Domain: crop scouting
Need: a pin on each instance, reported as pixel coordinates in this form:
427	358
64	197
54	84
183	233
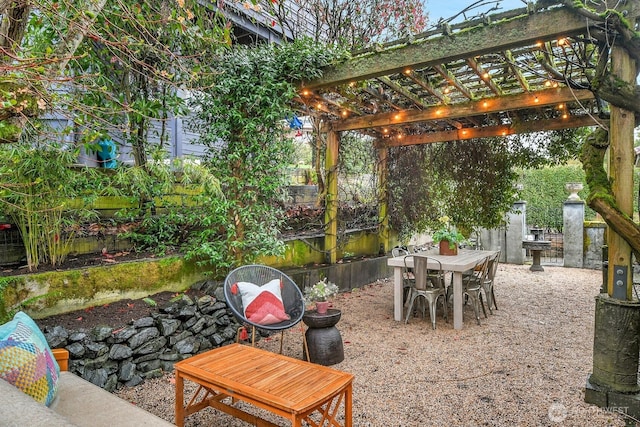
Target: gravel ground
526	365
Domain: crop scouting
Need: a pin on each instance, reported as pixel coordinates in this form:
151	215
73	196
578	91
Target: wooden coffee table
291	388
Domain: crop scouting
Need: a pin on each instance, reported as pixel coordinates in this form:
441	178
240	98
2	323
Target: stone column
516	230
573	233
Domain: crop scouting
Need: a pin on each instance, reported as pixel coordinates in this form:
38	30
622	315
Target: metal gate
546	224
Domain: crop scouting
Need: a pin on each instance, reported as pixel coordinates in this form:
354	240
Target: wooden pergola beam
470	43
490	131
467	109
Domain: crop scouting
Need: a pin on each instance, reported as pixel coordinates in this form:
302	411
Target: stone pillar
516	230
573	233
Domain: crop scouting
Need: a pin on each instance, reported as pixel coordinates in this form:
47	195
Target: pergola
525	70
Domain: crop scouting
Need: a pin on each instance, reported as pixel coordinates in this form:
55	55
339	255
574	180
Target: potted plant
448	237
320	293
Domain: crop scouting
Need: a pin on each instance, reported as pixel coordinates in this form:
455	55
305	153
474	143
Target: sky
447	8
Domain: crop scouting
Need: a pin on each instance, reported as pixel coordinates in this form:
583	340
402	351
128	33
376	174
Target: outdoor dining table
456	264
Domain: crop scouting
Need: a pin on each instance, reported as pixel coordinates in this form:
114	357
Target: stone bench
77	403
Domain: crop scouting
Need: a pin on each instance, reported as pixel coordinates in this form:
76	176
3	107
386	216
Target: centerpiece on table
320	294
448	237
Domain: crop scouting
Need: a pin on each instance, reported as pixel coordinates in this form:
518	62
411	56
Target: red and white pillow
262	304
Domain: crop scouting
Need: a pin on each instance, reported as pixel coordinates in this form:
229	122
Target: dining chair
488	283
472	287
407	273
429	284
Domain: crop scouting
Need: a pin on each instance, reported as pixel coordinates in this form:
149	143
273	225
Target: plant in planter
448	237
320	293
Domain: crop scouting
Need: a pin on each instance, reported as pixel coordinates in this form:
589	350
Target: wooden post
331	198
621	162
383	200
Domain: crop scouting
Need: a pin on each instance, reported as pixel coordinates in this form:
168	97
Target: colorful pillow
26	360
262	304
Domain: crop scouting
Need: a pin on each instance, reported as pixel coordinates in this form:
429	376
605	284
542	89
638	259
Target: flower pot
322	306
446	249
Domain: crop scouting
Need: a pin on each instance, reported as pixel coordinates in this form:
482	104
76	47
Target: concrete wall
594	239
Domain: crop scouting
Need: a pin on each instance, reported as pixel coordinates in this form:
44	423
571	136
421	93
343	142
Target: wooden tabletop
264	378
465	260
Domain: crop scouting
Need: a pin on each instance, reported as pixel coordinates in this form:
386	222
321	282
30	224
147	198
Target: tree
241	118
24	72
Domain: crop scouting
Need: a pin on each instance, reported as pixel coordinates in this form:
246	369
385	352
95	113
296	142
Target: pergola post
621	163
383	201
614	380
331	198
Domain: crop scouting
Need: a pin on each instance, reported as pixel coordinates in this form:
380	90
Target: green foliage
472	182
544	191
241	119
37	184
166	228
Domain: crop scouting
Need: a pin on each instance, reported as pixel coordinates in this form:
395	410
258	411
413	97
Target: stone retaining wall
148	347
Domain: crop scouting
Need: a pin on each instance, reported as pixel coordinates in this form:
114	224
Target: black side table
323	338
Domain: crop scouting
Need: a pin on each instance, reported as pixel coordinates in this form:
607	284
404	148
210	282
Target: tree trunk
601	198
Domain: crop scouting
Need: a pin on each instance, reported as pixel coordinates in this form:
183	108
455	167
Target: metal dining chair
407	273
472	287
429	285
487	284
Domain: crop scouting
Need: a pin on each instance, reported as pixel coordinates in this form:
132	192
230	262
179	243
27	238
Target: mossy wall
62	291
58	292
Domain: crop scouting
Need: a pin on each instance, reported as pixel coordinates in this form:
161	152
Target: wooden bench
293	389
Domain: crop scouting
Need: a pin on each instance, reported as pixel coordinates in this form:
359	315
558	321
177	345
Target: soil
78	261
116	315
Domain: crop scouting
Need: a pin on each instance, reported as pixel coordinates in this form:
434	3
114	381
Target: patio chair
487	284
256	286
429	284
407	273
472	287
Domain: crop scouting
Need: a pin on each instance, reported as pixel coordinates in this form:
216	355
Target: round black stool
323	338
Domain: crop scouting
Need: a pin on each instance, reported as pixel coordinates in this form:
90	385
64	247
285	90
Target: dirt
78	261
115	315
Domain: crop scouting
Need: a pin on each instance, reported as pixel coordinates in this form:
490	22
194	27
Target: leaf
150	302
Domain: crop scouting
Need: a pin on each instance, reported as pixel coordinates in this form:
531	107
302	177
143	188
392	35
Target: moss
99	285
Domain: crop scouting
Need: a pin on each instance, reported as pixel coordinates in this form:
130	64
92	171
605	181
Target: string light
562	41
344	113
305	92
485	104
485	75
407	71
397	117
536	100
547	83
447	90
319	106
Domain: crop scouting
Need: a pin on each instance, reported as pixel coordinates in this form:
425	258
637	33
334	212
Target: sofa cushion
87	405
19	410
26	360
